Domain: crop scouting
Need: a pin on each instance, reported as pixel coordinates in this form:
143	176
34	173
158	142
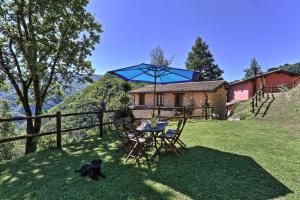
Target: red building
270	81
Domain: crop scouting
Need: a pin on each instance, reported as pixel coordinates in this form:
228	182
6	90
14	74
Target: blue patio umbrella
146	73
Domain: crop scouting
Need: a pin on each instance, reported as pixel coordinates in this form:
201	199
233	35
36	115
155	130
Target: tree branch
52	72
10	76
16	61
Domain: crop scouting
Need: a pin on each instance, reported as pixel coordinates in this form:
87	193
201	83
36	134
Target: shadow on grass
201	173
204	173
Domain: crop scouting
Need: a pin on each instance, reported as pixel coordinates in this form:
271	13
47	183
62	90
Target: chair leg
173	147
132	150
181	144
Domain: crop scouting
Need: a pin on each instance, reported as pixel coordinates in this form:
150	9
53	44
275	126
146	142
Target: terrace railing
256	99
100	116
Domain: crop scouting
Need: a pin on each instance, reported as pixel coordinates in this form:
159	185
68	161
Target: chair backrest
183	124
129	128
118	124
180	128
179	125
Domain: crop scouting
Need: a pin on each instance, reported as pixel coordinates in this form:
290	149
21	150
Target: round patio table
147	128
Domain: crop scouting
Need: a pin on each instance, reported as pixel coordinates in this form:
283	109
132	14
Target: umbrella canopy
146	73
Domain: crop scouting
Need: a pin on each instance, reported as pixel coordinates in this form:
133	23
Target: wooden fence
257	98
100	115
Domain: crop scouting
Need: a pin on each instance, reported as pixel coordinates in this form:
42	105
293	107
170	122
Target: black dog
92	169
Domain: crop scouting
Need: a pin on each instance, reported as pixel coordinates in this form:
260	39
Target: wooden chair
172	137
124	135
139	144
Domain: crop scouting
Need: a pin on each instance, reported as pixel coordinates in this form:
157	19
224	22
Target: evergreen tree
6	130
158	58
200	59
249	72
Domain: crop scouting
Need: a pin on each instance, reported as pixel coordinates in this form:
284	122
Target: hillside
75	86
108	89
295	68
291	67
284	110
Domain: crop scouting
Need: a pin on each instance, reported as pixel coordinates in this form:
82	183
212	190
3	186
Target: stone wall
215	99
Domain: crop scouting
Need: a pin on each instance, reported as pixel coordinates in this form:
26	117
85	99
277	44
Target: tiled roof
267	73
203	86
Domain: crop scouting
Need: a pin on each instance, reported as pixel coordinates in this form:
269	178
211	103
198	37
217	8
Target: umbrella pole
154	96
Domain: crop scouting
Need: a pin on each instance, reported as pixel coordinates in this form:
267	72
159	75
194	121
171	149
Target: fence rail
257	98
100	115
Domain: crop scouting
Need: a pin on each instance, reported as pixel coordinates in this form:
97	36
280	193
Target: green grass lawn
248	159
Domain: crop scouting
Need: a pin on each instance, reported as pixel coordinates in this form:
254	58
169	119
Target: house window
178	100
142	99
160	100
242	87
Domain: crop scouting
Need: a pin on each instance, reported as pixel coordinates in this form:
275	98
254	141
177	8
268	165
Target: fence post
100	118
205	112
259	95
58	129
255	100
252	104
184	112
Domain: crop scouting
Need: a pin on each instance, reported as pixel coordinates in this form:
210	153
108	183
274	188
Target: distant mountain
108	89
295	68
75	87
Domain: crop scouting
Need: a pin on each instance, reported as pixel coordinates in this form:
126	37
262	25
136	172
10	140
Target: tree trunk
30	142
33	127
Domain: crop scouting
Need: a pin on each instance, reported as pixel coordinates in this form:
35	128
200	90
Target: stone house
190	94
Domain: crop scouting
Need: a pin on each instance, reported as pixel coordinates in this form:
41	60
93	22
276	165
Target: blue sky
235	30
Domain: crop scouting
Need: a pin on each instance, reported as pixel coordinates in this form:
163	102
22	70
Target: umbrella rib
143	72
178	74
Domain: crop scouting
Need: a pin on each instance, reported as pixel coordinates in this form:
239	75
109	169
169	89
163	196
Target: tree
43	46
7	129
272	69
200	59
249	72
126	87
158	58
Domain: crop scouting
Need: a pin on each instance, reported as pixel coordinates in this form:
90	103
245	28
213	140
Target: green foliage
200	59
46	43
7	129
158	58
295	68
108	89
3	84
43	43
124	112
272	69
249	72
283	88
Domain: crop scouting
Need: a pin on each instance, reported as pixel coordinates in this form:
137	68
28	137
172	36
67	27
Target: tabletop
160	126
